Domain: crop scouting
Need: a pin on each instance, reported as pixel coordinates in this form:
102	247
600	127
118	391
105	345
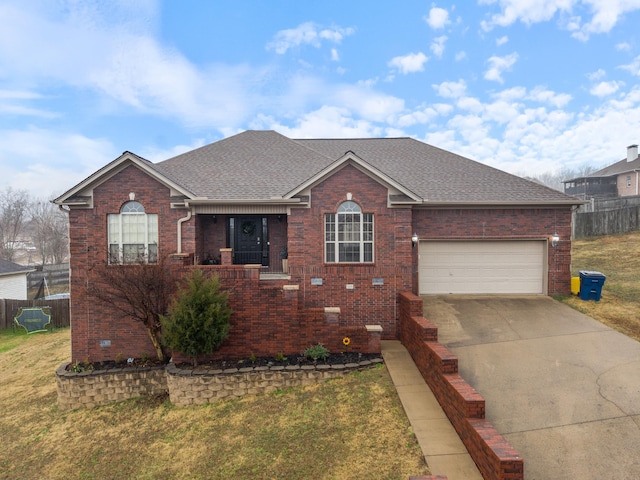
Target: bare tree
555	179
50	234
140	291
14	208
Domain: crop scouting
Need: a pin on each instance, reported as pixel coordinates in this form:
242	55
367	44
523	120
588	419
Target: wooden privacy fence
59	311
608	222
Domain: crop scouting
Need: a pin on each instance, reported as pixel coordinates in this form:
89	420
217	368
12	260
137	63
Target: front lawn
353	427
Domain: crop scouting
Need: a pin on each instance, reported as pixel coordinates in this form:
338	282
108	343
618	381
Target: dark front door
250	244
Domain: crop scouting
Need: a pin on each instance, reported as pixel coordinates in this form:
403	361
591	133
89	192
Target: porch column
225	256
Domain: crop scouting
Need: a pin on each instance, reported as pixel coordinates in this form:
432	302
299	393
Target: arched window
133	235
348	235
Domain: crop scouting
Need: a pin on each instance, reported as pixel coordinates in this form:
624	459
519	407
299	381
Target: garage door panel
489	267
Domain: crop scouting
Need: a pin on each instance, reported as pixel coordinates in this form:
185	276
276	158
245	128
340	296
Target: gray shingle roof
617	168
7	268
259	165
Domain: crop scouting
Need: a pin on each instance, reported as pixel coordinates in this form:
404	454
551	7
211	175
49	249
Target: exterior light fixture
414	239
554	240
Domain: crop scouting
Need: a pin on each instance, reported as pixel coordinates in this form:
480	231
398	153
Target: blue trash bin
591	285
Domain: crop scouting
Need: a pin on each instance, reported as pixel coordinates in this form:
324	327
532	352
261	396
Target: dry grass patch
618	257
353	427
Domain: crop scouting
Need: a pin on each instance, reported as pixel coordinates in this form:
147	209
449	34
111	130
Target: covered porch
243	239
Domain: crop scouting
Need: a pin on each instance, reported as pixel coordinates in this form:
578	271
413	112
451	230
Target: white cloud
502	40
423	116
623	47
410	63
461	56
604	14
451	89
16	102
307	34
604	89
47	161
528	12
542	95
499	65
334	55
325	122
437	46
597	75
437	18
633	68
368	104
79	45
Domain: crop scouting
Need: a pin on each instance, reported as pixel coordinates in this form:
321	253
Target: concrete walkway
442	448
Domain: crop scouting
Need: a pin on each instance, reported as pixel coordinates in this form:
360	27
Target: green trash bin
591	285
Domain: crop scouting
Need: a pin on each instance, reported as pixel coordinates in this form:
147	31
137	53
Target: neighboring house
13	280
622	179
362	220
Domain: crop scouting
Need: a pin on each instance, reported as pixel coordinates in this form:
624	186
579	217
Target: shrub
317	352
199	317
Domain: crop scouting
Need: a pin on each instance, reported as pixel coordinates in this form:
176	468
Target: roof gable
397	190
82	194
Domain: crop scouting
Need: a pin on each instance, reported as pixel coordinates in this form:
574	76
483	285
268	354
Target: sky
526	86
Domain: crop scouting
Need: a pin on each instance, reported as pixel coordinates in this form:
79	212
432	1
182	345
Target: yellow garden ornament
346	341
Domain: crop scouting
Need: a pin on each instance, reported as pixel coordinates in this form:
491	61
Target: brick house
361	220
620	179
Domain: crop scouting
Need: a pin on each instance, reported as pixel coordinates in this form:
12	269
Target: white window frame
132	221
349	235
628	180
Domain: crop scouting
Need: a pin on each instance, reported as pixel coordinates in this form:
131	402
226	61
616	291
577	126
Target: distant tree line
27	222
555	179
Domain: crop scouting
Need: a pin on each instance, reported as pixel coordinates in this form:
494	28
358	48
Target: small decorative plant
280	357
346	341
317	352
79	367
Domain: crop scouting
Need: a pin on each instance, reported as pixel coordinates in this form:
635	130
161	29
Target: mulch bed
295	359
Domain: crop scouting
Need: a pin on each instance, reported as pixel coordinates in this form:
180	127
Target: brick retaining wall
463	405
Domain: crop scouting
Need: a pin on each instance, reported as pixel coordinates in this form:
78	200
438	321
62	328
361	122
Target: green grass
11	338
618	257
352	427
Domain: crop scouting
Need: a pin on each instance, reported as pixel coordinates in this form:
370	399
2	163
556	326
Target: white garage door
483	267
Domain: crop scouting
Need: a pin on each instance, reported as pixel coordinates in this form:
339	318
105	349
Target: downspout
180	222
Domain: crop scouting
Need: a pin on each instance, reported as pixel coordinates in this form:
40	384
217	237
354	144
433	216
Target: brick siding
506	224
267	318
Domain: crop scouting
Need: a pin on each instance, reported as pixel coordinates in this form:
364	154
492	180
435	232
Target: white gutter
180	222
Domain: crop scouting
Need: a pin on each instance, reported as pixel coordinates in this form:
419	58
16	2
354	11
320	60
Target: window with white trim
348	235
628	180
133	235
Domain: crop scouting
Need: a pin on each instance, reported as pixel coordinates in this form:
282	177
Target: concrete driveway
562	388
